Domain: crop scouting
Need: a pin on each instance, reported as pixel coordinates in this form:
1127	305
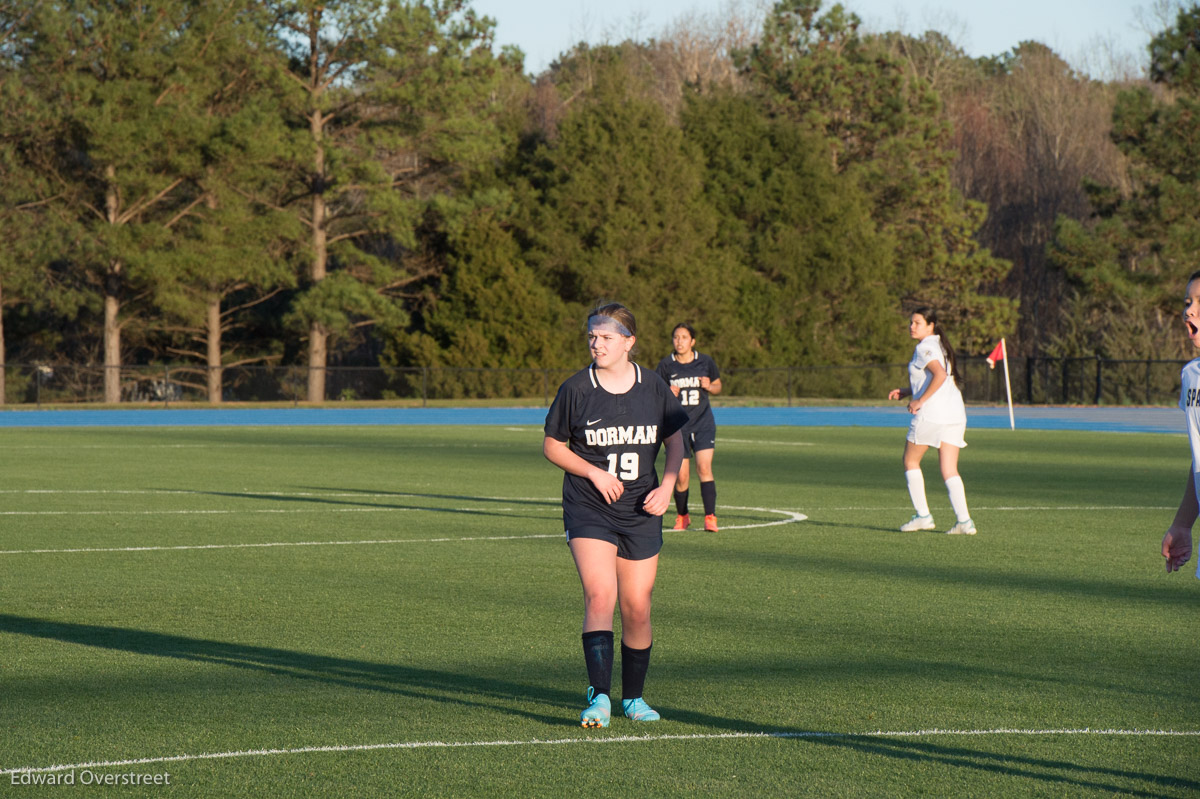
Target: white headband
598	322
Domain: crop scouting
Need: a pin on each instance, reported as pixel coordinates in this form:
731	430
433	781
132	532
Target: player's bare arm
658	500
560	454
1177	543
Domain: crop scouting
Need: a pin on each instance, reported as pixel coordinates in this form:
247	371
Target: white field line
724	440
303	750
275	544
1010	507
225	446
73	446
790	517
216	512
251	493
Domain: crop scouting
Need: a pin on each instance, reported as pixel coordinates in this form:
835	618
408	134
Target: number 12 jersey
687	376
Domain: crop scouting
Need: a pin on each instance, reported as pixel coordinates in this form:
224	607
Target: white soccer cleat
962	528
918	522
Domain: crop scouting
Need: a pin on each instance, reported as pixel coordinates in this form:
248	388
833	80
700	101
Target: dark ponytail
930	316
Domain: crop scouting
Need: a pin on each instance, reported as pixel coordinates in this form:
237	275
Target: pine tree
223	254
124	92
622	215
820	282
1127	271
387	104
883	128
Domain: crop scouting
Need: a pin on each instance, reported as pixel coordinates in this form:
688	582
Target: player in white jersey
939	419
1177	543
604	430
693	376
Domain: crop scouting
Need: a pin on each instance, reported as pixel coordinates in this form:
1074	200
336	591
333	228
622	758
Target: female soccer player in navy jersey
692	377
604	430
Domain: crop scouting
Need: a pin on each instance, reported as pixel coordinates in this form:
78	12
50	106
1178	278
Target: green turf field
392	611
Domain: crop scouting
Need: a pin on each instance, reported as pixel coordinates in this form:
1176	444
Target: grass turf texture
464	627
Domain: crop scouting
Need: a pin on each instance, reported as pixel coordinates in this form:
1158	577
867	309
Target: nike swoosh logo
593	421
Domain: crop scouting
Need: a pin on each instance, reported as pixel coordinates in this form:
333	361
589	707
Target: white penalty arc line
304	750
1018	508
724	440
790	516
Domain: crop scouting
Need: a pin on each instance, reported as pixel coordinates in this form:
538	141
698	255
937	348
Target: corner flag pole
1012	425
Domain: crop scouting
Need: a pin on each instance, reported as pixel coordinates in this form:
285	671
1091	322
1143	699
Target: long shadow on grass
552	503
970	575
1061	773
358	503
425	684
475	691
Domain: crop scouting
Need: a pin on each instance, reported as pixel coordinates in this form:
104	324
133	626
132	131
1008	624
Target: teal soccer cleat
598	711
638	710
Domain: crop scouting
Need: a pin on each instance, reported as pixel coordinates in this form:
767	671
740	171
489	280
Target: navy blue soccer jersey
621	433
687	376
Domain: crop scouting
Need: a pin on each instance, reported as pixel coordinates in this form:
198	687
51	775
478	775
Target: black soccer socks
681	498
598	654
708	494
634	664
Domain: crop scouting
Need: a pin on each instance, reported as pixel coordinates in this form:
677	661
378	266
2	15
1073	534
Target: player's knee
600	600
635	613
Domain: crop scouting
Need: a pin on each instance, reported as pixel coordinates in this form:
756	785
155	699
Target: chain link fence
1068	381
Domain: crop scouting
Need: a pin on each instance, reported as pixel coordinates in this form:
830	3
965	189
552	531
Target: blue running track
1126	420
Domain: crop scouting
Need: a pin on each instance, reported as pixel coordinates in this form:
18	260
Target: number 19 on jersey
628	465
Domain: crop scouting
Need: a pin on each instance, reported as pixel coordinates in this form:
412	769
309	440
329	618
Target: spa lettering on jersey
1193	397
616	436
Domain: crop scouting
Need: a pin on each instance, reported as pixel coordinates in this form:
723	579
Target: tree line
368	182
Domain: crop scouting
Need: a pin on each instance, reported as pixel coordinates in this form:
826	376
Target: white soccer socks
916	491
958	498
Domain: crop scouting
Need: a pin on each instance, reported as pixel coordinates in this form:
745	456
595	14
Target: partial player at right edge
1177	543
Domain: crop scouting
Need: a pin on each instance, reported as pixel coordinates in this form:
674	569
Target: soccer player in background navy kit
1177	543
604	430
693	376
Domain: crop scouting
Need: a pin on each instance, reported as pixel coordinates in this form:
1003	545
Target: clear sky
1083	32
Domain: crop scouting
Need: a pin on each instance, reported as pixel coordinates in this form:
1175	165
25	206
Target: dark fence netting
1067	381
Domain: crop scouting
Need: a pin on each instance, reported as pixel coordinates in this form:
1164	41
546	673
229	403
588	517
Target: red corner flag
1001	354
997	355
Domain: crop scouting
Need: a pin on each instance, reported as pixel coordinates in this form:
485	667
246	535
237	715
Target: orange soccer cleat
710	523
682	521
